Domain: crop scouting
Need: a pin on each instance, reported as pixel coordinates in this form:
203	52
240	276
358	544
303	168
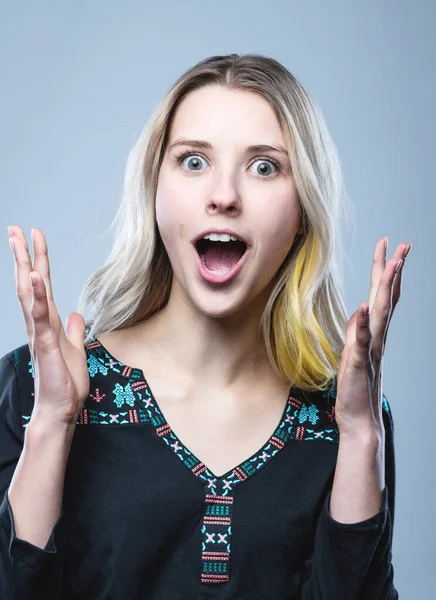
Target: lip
229	231
214	278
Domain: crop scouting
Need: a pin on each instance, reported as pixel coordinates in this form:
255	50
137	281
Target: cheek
177	205
163	208
279	221
172	217
167	206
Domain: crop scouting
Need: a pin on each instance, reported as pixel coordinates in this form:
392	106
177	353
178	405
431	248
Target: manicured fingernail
407	251
10	231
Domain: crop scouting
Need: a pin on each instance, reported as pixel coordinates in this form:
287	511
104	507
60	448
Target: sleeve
26	571
353	561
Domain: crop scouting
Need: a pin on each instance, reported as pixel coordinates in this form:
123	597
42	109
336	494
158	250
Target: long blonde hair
304	320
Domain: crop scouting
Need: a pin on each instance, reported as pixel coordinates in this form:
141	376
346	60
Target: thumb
75	329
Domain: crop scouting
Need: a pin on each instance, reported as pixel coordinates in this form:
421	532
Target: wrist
42	428
363	448
362	436
365	432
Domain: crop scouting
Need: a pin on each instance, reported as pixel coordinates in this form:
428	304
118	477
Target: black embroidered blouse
144	519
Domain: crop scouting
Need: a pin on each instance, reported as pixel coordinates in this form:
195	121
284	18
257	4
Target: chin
218	311
218	306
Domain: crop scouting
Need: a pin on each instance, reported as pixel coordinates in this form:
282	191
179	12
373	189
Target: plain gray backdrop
80	79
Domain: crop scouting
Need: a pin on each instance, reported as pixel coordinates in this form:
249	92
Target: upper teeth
220	237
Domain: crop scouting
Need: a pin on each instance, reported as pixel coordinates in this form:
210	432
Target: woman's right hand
58	356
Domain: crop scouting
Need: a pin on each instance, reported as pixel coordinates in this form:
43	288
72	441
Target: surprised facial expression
218	174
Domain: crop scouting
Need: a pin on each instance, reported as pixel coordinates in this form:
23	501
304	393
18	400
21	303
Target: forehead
219	115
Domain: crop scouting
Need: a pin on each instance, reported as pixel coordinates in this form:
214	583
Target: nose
224	199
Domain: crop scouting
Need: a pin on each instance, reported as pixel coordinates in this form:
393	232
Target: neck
228	351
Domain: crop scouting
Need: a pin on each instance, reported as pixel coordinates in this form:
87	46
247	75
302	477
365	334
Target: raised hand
58	356
359	388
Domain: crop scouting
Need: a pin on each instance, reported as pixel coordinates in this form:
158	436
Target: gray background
80	79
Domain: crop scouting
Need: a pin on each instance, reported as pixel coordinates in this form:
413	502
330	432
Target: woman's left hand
359	381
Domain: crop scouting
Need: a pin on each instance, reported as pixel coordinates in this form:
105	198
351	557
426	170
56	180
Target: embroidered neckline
216	523
145	400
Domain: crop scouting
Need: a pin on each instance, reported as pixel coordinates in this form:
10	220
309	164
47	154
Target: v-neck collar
145	400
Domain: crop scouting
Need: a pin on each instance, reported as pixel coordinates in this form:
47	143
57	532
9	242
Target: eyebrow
207	146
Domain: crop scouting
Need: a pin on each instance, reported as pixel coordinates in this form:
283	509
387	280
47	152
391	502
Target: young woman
218	428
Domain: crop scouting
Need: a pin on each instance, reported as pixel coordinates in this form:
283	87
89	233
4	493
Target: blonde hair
303	323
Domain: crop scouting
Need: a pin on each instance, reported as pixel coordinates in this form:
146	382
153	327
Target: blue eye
265	161
196	163
181	157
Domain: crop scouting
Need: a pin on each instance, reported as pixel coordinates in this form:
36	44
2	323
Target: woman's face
225	186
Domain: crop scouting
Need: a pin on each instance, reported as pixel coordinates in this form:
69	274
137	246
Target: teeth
221	237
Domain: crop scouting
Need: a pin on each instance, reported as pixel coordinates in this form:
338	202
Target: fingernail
32	233
10	231
399	265
407	251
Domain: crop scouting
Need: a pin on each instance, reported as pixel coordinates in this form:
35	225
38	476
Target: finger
378	267
350	340
396	293
350	331
43	334
41	261
42	265
382	309
361	350
75	329
23	268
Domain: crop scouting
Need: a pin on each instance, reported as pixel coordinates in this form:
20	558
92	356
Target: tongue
222	256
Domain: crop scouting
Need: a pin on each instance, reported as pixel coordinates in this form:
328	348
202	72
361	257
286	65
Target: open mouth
220	257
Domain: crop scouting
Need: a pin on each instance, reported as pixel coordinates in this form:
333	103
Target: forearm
359	478
36	489
352	555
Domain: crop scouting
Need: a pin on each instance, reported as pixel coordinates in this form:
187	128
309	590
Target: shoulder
16	387
318	407
17	361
